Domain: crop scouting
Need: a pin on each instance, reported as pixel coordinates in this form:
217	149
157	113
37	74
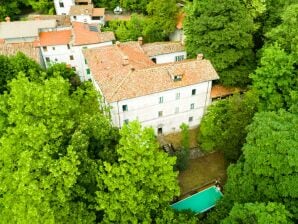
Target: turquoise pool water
199	202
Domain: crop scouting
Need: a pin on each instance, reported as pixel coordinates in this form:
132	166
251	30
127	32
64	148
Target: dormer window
177	78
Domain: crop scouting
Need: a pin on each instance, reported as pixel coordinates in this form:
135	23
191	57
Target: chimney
118	43
140	41
7	19
86	11
125	60
200	57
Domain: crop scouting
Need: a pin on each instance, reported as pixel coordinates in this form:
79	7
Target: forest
61	160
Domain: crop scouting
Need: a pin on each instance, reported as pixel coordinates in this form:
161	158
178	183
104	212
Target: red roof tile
83	35
140	76
51	38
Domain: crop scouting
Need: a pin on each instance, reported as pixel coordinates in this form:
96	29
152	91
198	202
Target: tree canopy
224	126
48	166
142	182
268	170
258	213
220	31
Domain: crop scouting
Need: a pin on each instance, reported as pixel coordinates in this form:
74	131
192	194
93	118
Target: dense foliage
224	126
157	25
258	213
141	183
48	166
220	31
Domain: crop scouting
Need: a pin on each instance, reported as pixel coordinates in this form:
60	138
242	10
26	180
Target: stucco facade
165	111
62	7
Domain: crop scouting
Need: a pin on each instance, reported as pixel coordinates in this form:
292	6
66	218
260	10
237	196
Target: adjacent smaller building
24	31
64	45
164	52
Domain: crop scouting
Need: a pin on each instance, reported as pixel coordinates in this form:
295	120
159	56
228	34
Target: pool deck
199	202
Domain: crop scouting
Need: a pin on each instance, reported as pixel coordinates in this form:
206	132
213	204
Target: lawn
175	138
202	170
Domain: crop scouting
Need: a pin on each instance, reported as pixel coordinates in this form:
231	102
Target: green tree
223	31
142	182
12	65
129	30
109	4
268	169
9	8
224	126
275	78
253	213
135	5
173	217
48	168
161	21
43	6
286	34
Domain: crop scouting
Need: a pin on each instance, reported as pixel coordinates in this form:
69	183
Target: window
126	121
47	59
74	17
179	58
71	57
61	4
68	47
154	60
193	92
88	71
86	62
190	119
56	59
124	107
159	131
177	96
45	49
74	68
53	48
177	78
160	99
159	113
176	110
192	106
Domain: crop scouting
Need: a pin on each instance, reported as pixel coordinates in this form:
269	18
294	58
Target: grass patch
202	170
175	138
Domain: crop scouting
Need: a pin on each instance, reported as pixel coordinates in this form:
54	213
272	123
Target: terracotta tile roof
80	10
180	19
218	91
62	20
83	35
51	38
98	12
158	48
141	76
27	48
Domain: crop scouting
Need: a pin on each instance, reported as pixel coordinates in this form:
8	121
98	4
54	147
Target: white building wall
58	54
145	109
86	19
166	58
63	10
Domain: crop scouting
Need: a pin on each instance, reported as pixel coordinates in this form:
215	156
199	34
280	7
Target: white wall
65	9
166	58
146	108
58	54
86	19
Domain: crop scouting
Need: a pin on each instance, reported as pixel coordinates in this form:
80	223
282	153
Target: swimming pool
199	202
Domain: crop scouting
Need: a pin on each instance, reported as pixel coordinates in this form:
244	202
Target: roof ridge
122	81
